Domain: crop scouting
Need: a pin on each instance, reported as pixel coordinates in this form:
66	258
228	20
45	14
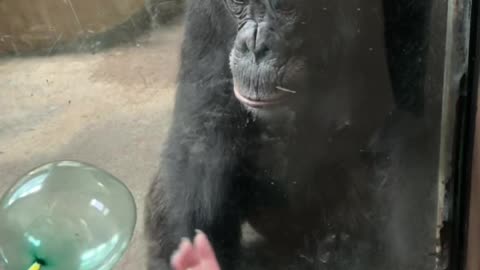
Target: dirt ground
111	109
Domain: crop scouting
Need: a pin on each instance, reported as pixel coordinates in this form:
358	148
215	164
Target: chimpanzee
287	115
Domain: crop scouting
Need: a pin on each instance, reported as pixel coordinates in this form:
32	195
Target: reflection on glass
31	187
32	240
94	257
99	206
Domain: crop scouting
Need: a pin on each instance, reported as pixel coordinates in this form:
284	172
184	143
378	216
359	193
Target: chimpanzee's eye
283	6
236	6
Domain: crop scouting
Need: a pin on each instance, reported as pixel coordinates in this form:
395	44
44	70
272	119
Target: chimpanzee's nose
255	40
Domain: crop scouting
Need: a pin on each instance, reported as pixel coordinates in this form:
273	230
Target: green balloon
65	215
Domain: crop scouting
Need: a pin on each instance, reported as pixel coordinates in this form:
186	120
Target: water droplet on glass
344	236
324	257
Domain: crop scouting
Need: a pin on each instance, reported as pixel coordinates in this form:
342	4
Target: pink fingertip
185	256
206	252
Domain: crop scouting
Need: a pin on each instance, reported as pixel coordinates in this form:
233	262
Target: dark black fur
312	177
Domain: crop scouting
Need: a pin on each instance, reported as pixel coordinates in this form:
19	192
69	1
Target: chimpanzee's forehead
296	3
275	2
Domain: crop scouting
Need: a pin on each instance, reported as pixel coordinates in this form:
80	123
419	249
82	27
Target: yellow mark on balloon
35	266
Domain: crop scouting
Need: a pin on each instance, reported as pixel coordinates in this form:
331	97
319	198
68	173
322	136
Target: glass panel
296	134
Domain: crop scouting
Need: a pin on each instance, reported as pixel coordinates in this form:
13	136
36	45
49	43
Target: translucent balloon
65	215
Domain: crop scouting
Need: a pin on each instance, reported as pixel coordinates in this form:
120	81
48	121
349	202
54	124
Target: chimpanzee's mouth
268	101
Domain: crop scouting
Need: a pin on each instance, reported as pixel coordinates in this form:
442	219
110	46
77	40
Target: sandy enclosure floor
111	109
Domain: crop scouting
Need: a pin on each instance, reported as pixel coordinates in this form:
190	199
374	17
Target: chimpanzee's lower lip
261	103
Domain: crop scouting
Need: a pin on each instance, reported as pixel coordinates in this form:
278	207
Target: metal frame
457	217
